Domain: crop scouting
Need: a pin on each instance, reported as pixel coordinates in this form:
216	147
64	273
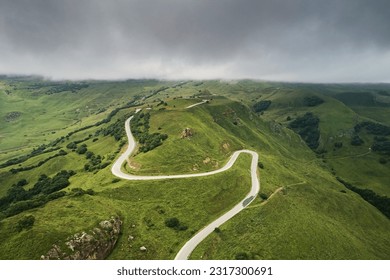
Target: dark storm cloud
305	40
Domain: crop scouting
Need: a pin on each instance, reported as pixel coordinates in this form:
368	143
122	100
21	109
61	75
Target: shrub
88	154
242	256
172	222
182	227
175	224
263	196
26	223
261	165
72	145
62	153
82	149
261	106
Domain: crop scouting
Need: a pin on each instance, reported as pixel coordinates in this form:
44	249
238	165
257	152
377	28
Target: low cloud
294	40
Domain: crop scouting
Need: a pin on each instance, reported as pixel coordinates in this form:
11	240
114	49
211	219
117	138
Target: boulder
143	248
95	244
187	132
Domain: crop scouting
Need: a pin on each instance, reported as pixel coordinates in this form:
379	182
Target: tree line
307	126
44	190
140	129
382	203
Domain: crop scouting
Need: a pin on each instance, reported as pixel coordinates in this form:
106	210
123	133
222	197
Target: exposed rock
130	238
226	147
143	248
95	244
187	132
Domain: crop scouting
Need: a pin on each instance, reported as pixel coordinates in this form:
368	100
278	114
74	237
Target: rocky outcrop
95	244
187	132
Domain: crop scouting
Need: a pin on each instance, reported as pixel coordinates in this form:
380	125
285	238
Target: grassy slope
45	117
337	120
143	204
313	208
303	222
316	208
313	219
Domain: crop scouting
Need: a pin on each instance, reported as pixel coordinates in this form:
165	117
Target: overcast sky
288	40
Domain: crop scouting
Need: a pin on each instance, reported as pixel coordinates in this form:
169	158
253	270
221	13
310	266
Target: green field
302	212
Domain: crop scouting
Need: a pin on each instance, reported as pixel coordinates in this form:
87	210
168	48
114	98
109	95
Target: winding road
186	250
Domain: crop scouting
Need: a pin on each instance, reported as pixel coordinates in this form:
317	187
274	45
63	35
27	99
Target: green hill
303	210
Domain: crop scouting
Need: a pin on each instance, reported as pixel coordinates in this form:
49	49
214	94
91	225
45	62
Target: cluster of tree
47	185
261	106
312	101
35	152
382	203
73	145
151	141
140	128
106	120
358	99
381	145
44	190
307	127
356	140
373	128
57	141
82	149
95	162
116	129
20	169
73	87
175	224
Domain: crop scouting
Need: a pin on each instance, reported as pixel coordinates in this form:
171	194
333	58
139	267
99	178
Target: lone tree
172	222
175	224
